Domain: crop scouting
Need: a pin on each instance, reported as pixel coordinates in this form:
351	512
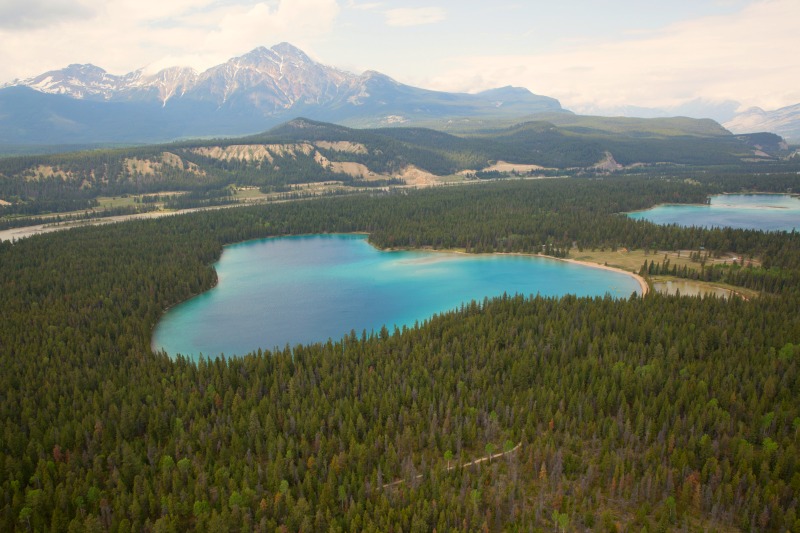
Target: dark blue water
299	290
767	212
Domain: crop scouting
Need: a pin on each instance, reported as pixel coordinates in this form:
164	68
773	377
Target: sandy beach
644	287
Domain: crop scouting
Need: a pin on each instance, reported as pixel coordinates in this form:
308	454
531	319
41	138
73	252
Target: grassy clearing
254	195
111	202
632	261
247	194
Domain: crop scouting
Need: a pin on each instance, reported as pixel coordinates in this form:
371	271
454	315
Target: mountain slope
250	93
303	151
784	121
637	127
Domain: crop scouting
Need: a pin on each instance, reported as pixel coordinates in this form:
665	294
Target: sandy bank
643	286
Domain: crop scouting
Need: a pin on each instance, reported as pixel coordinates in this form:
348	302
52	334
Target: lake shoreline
553	282
644	287
708	204
747	211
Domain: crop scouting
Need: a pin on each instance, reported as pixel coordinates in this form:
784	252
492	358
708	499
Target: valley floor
28	231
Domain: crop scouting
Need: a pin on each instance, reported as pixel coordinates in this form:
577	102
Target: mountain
309	157
784	121
247	94
697	108
638	127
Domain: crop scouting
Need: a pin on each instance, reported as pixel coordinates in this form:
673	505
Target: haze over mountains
268	86
784	121
247	94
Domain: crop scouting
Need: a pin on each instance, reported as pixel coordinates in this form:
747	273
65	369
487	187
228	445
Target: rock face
784	121
246	94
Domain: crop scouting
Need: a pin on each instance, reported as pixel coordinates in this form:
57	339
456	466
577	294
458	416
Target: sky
593	55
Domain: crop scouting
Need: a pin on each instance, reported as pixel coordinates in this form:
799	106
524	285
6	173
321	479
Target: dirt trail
465	465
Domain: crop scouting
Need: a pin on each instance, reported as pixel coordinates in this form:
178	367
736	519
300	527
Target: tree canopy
657	413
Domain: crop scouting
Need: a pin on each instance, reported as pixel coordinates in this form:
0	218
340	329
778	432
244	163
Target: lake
300	290
767	212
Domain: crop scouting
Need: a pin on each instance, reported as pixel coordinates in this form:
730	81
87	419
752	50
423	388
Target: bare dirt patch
171	159
145	167
237	152
174	160
150	167
357	170
416	177
290	149
253	152
503	166
46	171
342	146
608	163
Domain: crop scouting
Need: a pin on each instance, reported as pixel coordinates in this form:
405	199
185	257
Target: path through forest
465	465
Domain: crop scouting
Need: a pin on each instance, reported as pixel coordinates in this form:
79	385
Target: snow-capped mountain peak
262	67
245	94
76	80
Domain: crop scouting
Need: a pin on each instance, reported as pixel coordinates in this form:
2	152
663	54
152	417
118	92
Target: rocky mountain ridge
246	94
283	69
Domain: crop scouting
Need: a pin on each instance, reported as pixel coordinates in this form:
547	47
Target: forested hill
564	142
641	414
306	152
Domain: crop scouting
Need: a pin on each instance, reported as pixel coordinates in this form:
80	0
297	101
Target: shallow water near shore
299	290
766	212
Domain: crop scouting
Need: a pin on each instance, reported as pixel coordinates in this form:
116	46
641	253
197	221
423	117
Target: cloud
124	35
27	14
364	6
300	21
746	56
414	16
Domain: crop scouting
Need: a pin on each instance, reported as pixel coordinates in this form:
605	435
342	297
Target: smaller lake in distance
300	290
766	212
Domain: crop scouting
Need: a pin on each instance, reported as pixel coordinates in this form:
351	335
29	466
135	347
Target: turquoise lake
767	212
300	290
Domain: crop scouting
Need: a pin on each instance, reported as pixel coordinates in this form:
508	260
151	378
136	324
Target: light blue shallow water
767	212
299	290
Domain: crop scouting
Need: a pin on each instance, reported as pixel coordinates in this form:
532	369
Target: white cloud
27	14
749	56
301	22
127	34
414	16
364	6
